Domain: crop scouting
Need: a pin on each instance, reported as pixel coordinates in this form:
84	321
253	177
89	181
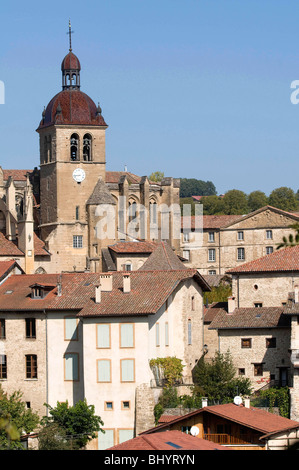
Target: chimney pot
126	283
106	282
231	304
98	294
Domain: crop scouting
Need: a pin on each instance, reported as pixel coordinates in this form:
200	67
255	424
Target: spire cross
70	34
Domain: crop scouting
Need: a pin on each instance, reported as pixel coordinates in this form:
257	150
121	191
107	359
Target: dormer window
40	291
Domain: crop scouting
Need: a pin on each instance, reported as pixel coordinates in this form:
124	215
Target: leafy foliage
216	379
291	240
194	187
78	421
278	397
169	368
156	176
218	294
15	418
283	198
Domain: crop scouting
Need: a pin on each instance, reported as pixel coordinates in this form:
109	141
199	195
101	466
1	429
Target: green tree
156	176
15	418
79	421
256	200
193	187
212	205
235	202
217	380
291	240
283	198
53	437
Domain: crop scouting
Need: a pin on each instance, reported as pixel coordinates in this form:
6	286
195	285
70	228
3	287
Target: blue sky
193	88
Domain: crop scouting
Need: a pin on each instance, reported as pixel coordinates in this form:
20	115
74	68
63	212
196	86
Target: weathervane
70	34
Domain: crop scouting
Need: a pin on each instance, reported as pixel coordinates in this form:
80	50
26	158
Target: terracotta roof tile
285	259
168	440
209	221
255	317
17	175
149	291
262	421
8	247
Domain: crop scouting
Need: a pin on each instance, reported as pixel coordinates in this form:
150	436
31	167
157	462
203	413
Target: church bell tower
72	160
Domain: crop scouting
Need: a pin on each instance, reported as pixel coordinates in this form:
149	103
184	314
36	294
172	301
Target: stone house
254	324
215	244
92	335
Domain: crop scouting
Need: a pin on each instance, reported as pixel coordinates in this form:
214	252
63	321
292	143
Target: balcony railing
227	439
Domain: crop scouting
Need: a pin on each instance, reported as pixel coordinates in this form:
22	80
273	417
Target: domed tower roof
71	106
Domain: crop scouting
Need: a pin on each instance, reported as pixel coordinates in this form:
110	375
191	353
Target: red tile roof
208	221
133	247
168	440
149	291
262	421
8	247
7	266
261	317
17	175
283	260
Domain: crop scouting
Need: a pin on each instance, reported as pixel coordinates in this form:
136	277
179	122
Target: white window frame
212	254
77	241
239	256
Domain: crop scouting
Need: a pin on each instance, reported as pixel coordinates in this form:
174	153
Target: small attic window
39	291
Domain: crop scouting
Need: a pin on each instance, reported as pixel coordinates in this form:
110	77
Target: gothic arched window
87	148
74	147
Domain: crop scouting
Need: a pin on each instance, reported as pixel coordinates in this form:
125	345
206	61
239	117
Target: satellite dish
194	431
237	400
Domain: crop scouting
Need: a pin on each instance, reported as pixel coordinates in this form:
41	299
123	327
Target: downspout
219	252
47	371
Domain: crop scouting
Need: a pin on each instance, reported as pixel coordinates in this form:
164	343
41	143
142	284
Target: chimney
106	282
204	402
98	294
247	402
59	286
231	304
126	283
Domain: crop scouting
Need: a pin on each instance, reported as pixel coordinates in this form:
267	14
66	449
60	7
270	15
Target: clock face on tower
79	175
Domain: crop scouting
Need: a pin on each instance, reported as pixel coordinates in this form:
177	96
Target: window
30	328
77	241
104	370
127	335
241	235
125	405
242	371
31	366
269	234
157	334
70	329
3	367
166	334
258	369
241	254
153	213
109	405
2	328
186	236
132	210
258	305
186	429
245	343
74	150
269	250
87	148
103	336
270	342
212	254
106	440
186	254
193	303
189	332
77	212
212	272
71	367
125	435
211	236
128	266
127	367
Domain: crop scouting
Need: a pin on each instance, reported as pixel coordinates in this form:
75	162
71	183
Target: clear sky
193	88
